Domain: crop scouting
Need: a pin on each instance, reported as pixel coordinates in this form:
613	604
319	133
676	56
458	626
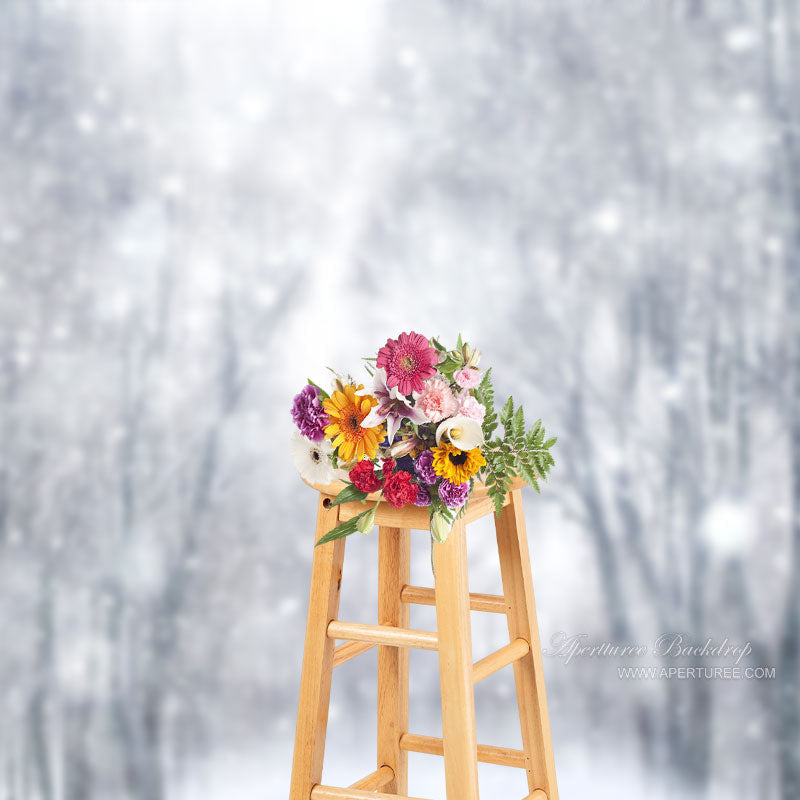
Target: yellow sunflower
346	411
457	466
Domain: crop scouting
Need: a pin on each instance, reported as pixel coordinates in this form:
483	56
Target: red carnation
399	490
387	468
364	478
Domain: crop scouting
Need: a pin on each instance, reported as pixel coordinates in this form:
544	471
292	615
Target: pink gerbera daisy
408	360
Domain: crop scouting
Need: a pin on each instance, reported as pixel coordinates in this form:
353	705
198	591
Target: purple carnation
423	466
423	497
309	415
453	495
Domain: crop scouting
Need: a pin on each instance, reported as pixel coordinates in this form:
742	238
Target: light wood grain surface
315	678
515	568
452	639
394	547
422	595
383	634
332	793
504	756
455	665
376	781
500	658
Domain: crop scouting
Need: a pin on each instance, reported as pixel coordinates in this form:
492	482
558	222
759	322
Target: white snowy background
203	203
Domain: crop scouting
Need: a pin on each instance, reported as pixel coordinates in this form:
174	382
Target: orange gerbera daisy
346	410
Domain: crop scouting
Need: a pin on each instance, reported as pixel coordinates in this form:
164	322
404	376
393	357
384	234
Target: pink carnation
467	378
468	406
437	400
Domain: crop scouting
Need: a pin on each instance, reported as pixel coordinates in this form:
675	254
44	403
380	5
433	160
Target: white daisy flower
312	459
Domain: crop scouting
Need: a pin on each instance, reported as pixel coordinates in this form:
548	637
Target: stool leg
455	666
515	566
315	681
393	574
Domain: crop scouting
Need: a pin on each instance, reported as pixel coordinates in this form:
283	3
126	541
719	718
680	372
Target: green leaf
446	512
450	365
518	424
550	442
322	392
348	495
528	474
483	391
498	495
508	410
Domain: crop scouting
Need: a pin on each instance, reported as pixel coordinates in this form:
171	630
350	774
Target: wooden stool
458	674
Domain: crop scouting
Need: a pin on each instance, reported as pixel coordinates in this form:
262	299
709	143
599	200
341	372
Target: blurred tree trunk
788	667
78	767
608	566
39	702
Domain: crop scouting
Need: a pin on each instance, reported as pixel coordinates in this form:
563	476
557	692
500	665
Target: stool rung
500	658
344	652
420	595
375	781
332	793
536	794
383	634
504	756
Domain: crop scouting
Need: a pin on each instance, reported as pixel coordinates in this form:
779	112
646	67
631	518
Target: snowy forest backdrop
203	203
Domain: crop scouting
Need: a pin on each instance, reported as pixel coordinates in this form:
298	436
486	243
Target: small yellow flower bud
366	523
474	358
440	528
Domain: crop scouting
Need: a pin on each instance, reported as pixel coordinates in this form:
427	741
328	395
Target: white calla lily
463	432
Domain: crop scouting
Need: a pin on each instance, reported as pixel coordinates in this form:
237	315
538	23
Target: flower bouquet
422	435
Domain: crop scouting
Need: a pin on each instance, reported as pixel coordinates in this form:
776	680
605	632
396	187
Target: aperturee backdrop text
422	435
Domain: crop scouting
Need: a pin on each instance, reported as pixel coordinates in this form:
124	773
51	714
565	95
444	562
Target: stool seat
452	640
478	490
412	517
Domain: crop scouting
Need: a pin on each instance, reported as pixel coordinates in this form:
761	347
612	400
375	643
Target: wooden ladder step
504	756
537	794
344	652
332	793
420	595
375	781
500	658
383	634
